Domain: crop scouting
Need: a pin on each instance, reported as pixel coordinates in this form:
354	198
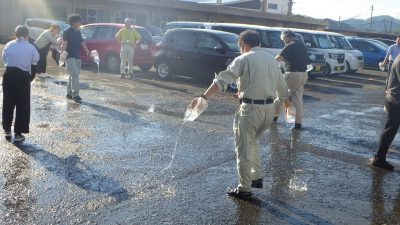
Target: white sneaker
41	75
46	75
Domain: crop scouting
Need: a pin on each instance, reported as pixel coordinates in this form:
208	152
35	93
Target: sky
346	9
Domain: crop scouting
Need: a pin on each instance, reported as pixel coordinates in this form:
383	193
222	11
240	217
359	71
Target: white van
354	58
271	42
270	37
319	41
175	25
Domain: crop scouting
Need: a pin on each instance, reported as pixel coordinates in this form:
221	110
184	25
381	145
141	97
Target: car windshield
380	45
275	39
155	31
63	26
231	40
323	41
385	46
340	42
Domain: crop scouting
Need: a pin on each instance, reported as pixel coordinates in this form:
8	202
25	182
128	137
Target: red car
101	37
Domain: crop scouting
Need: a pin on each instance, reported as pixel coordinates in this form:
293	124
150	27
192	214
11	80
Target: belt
295	71
259	102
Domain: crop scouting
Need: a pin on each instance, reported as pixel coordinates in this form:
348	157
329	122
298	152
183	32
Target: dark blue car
373	52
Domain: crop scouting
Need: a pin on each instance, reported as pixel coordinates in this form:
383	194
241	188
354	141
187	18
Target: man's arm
279	58
64	46
85	48
386	59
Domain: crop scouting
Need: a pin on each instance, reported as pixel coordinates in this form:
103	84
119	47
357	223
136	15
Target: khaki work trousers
127	52
295	82
74	69
251	120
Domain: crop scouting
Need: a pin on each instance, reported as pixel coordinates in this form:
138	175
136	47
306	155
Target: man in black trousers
392	103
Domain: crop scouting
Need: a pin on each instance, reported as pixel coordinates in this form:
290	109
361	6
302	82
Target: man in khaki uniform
259	82
128	38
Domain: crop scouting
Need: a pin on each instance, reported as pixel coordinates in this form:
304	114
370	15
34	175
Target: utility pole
370	25
339	23
290	7
391	26
384	25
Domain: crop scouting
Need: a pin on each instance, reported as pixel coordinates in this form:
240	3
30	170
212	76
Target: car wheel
348	67
145	68
233	86
327	70
164	70
312	76
113	62
379	68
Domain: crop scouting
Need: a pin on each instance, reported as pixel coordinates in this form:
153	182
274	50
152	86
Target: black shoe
69	96
297	126
382	163
239	194
7	134
122	75
77	99
275	119
257	183
19	137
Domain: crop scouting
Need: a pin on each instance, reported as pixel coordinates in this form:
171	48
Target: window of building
272	6
56	12
83	13
103	16
33	11
136	18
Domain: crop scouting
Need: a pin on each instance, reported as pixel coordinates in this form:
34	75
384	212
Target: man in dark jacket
392	104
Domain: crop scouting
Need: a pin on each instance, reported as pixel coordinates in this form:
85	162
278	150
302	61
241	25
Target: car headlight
353	56
312	57
333	56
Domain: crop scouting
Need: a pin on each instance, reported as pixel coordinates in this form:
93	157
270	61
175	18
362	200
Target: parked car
37	26
388	42
319	41
271	42
101	37
195	52
354	58
373	52
178	24
154	30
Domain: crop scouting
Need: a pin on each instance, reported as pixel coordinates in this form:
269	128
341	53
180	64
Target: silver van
175	25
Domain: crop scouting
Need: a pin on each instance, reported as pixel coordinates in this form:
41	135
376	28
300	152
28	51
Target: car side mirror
308	44
221	50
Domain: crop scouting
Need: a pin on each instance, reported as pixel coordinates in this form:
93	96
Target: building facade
143	12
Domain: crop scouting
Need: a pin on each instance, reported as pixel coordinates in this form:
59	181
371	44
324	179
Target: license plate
317	68
144	46
359	65
338	68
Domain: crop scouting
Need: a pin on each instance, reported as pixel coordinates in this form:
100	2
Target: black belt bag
258	102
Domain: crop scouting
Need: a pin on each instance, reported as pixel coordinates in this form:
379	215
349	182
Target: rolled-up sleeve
230	75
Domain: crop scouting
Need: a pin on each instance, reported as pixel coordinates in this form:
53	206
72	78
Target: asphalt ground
124	155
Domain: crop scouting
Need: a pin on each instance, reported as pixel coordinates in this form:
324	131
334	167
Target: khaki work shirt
257	75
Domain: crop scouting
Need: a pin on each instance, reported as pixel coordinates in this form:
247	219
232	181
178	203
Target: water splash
176	145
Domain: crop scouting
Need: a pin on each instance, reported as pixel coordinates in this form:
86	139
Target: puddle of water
297	184
151	109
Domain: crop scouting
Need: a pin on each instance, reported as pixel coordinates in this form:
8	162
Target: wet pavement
124	156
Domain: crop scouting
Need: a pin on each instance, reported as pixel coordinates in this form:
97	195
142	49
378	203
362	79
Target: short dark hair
21	31
287	33
73	18
398	36
250	37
